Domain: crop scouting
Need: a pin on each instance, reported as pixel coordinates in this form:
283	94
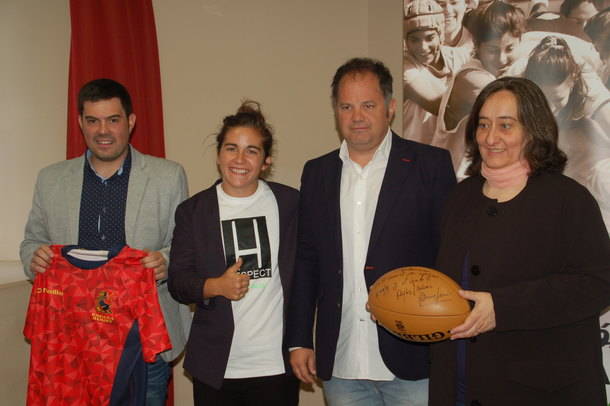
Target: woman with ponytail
232	258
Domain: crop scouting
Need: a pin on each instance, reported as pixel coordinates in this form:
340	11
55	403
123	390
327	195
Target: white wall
280	53
213	54
35	43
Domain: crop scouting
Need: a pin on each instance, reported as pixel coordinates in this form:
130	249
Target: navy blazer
405	232
197	254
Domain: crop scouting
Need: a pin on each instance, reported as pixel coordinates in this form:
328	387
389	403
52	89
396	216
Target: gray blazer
156	187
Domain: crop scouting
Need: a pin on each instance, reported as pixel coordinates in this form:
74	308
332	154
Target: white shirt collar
382	153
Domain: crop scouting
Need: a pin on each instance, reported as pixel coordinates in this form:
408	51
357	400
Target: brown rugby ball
417	304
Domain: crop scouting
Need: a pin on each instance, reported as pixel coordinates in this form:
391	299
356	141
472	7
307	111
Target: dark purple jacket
197	254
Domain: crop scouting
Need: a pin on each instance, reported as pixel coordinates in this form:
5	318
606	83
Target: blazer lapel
210	227
333	191
286	222
400	167
206	222
138	179
73	183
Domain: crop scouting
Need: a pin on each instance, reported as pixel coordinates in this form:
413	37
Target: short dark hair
104	89
364	65
491	21
598	29
249	115
567	6
534	114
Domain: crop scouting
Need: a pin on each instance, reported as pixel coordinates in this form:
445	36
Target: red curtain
117	39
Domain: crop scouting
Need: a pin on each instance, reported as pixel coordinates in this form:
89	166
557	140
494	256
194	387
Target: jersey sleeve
35	310
46	303
153	332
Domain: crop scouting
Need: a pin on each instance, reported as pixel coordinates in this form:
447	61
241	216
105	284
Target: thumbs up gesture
231	284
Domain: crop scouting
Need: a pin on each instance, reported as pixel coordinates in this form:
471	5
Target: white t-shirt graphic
250	230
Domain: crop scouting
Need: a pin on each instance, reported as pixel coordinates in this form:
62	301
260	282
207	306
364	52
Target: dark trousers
280	390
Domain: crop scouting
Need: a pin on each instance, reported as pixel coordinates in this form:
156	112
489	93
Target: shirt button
339	271
103	237
339	305
475	270
492	211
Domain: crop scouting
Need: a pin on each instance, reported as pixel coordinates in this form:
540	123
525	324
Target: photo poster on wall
448	57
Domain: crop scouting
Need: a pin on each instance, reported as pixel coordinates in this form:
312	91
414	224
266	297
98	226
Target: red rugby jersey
77	323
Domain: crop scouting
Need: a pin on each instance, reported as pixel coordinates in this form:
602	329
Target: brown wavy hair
534	114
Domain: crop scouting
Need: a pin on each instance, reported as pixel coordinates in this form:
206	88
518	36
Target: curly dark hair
249	115
534	114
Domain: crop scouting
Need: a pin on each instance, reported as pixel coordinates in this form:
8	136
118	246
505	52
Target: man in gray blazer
112	196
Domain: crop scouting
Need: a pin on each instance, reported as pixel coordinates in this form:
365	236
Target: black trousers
275	390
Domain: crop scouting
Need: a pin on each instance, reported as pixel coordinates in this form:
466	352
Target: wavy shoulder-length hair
534	114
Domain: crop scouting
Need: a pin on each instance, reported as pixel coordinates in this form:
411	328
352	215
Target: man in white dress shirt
367	208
